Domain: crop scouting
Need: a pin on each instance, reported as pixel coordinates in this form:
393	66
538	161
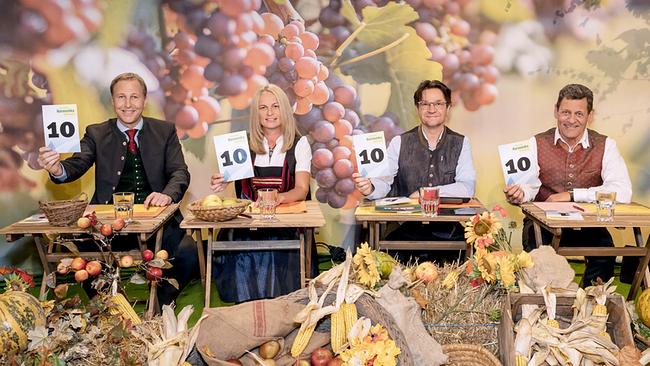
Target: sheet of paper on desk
559	206
138	210
35	219
392	201
560	215
465	211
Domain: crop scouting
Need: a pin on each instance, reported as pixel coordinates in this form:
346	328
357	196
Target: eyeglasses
436	105
265	109
565	114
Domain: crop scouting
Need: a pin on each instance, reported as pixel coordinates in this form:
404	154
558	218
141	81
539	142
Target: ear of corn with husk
175	341
584	342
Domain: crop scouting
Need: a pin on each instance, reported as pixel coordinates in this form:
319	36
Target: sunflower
375	349
524	260
507	272
366	266
487	265
480	230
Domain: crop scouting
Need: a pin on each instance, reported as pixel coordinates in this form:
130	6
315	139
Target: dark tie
133	148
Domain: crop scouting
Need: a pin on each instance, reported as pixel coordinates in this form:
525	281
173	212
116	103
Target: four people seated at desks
571	164
143	155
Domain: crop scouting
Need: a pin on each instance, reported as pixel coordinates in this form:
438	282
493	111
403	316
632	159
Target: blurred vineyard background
349	67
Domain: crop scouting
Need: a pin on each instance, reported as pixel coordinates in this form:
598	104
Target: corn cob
599	309
122	307
552	323
338	330
520	361
350	316
302	339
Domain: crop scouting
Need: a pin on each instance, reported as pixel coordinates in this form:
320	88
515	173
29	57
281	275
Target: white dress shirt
614	173
463	186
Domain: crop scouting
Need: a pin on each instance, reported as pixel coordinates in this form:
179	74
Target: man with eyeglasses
573	163
429	155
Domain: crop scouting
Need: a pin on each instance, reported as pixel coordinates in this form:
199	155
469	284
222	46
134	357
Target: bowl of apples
214	208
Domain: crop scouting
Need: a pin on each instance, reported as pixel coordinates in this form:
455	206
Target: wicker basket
469	355
366	306
64	212
222	213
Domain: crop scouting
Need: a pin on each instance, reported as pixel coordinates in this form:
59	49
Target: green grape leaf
404	66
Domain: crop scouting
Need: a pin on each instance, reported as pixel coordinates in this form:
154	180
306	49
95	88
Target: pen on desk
579	208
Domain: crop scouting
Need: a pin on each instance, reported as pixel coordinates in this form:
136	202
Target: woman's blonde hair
287	122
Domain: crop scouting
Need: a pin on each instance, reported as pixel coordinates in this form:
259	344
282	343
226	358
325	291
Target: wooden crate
618	323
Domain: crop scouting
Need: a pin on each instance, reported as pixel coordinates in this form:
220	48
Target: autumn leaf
404	65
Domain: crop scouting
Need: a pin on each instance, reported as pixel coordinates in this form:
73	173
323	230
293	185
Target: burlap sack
228	332
425	350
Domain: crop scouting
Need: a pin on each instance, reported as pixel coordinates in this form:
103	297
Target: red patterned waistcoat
561	170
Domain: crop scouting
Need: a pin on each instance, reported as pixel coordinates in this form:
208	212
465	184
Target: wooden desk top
590	220
367	213
312	218
138	226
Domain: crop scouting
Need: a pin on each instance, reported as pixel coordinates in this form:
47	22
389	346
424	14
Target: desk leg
46	265
153	298
538	234
208	269
371	235
302	258
309	246
557	235
201	255
642	268
376	235
638	239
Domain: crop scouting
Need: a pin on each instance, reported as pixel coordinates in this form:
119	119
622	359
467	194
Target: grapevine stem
346	43
375	52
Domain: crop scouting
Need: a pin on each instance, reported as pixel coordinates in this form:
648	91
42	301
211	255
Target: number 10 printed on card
516	162
233	156
61	127
370	151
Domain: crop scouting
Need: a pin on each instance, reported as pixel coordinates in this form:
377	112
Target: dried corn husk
175	341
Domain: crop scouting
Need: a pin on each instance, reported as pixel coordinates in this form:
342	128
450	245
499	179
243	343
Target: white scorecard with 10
61	127
370	152
233	156
516	161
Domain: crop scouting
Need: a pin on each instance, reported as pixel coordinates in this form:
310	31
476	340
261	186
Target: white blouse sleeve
303	155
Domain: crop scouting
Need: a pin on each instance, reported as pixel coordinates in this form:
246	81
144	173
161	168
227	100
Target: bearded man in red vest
572	164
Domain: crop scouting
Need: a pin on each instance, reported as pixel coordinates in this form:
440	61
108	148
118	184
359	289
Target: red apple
147	255
321	356
78	264
126	261
270	349
83	223
81	275
106	230
154	273
62	268
337	361
162	254
235	361
94	268
118	224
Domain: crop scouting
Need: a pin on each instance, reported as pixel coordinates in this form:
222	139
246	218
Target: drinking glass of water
267	201
123	205
605	202
429	201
